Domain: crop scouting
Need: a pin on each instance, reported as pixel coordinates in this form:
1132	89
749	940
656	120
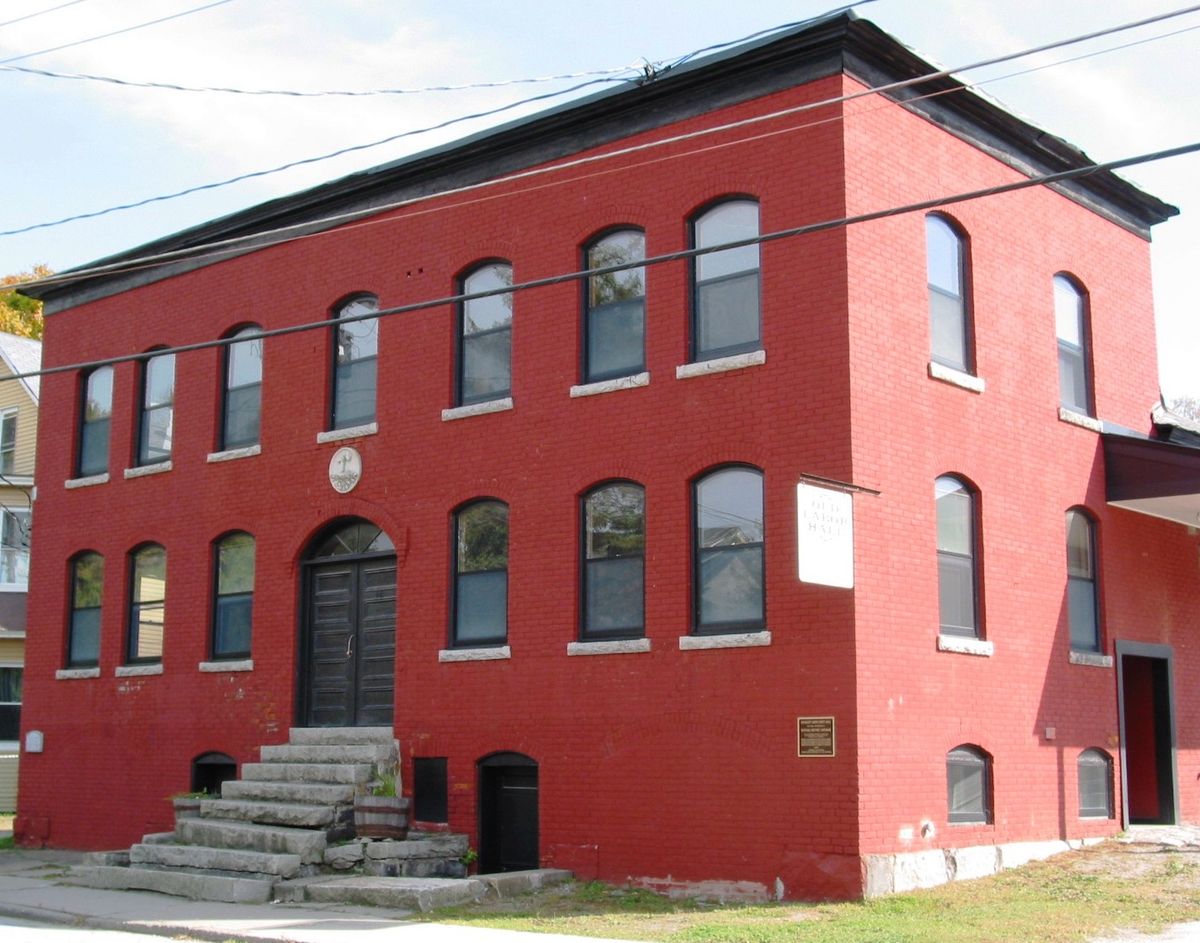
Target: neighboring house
18	439
586	547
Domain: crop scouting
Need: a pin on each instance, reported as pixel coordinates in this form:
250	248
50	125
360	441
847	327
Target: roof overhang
1153	477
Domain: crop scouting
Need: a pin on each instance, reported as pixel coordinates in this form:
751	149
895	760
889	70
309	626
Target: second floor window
14	546
147	598
725	293
728	556
485	336
945	259
242	408
87	590
1082	608
614	534
95	420
958	605
481	574
8	442
158	410
233	605
614	322
355	359
1074	366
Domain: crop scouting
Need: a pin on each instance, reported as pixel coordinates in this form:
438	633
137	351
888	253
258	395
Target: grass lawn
1071	897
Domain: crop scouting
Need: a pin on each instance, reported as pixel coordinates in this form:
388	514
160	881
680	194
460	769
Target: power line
663	258
30	16
117	32
894	86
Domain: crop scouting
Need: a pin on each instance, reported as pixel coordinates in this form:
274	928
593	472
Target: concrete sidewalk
28	890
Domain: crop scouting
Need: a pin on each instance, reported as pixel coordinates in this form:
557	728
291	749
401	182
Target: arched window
87	592
614	541
728	553
1082	608
241	410
157	413
1074	358
1095	785
725	295
968	785
355	358
147	596
481	574
958	594
95	418
485	336
949	304
233	596
615	315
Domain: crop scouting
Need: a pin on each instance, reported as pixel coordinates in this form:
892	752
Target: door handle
349	645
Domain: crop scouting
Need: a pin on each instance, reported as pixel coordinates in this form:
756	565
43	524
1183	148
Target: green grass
6	843
1067	899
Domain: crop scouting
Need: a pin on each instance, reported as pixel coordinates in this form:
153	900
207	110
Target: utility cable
30	16
890	87
676	256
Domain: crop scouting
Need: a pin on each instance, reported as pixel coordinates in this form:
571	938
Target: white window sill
86	482
138	671
965	646
219	667
732	640
229	455
477	409
14	587
350	432
622	647
143	470
494	653
74	674
1094	659
754	358
939	371
1079	419
611	386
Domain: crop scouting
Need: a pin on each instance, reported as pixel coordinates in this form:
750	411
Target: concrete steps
292	814
230	890
265	790
308	844
352	773
375	754
201	858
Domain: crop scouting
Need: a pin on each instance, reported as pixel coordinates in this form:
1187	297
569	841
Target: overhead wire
660	259
217	248
31	16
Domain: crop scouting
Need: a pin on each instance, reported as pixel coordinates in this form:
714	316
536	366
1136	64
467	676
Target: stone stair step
201	857
231	890
522	882
271	839
269	813
309	772
422	894
321	736
270	791
382	753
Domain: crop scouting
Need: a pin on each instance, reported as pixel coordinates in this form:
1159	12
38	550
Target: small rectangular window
8	442
14	546
10	702
430	789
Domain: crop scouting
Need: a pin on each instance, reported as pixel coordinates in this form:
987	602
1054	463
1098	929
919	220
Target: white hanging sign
825	536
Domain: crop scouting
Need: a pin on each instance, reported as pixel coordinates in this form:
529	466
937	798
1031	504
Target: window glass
1095	785
726	296
10	684
233	610
1069	315
957	600
430	789
96	418
1082	609
158	409
14	546
616	308
355	538
8	442
967	785
87	588
243	390
945	252
729	551
481	574
147	599
486	357
615	537
356	349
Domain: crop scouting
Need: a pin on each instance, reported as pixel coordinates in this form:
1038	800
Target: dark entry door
1147	734
351	643
508	813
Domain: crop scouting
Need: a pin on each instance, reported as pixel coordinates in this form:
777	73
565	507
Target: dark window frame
146	411
74	609
1093	582
455	523
136	607
1082	351
85	424
215	653
697	354
974	559
588	374
336	313
225	440
1095	758
587	634
968	756
698	555
964	299
460	374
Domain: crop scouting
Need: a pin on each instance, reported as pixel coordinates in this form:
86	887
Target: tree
1186	406
18	314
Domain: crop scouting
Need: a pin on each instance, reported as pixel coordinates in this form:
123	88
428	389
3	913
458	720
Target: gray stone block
422	894
344	857
269	791
308	844
512	883
449	845
325	736
374	753
201	857
179	884
270	813
309	772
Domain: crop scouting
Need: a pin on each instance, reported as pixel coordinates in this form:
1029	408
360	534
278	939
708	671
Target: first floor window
147	598
233	606
430	789
1081	583
87	589
968	785
14	546
958	604
614	532
10	701
1095	785
481	574
728	554
8	442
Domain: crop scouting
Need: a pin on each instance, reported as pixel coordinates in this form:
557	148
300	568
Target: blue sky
76	146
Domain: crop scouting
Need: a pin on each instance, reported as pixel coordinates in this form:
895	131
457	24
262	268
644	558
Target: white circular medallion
345	469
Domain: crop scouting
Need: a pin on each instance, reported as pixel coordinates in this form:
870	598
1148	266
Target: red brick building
566	556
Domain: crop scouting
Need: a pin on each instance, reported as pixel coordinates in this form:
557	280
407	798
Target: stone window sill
350	432
229	455
618	647
493	653
1094	659
754	358
732	640
138	671
939	371
1079	419
965	646
87	481
74	674
217	667
143	470
611	386
477	409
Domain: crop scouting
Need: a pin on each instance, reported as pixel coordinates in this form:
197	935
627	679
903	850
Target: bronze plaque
815	736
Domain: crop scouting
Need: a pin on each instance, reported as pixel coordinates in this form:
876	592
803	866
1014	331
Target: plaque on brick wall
345	469
825	536
815	736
